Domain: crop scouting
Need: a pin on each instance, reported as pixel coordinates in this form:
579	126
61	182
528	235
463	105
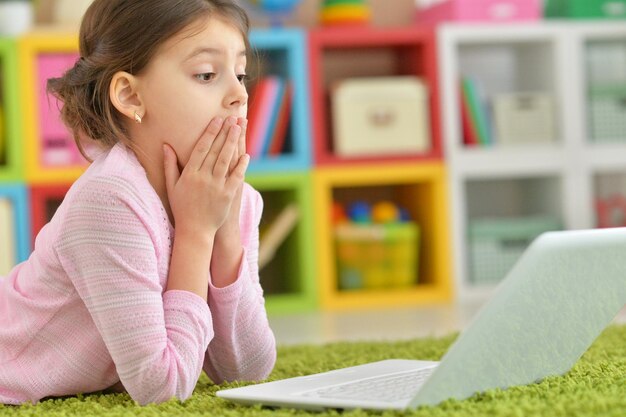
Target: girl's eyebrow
211	51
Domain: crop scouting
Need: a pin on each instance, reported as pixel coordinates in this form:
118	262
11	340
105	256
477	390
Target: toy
276	10
377	246
360	212
385	212
339	214
342	12
611	211
405	216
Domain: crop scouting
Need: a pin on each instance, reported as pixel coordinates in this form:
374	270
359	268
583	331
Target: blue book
275	104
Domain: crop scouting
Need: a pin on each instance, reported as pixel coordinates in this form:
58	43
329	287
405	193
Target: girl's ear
124	95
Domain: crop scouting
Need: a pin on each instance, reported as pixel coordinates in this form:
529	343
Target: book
275	104
267	96
476	111
282	122
7	237
254	110
275	233
470	135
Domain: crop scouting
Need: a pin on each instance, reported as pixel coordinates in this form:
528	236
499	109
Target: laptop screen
557	299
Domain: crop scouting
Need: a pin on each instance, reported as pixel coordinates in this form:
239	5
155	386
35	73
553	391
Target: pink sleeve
156	340
244	348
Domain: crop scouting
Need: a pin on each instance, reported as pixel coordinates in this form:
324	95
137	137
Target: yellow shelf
30	46
421	188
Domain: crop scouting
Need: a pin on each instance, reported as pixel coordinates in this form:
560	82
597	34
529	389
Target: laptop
556	300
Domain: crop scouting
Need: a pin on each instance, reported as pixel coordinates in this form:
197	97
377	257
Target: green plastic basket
496	244
377	256
585	9
607	113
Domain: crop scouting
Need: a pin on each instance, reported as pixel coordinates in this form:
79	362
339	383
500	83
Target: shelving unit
47	177
602	162
289	278
42	55
282	52
337	54
421	188
559	179
552	179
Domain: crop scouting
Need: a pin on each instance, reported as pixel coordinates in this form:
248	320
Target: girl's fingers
216	147
171	168
242	140
204	144
220	168
241	146
239	173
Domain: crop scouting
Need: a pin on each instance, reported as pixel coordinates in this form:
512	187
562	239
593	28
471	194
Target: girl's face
190	81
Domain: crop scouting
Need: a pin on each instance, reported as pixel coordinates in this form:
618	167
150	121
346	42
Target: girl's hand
202	195
232	221
227	249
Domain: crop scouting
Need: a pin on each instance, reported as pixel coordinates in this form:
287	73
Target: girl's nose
237	95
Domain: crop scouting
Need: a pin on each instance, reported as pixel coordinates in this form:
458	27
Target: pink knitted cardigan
89	309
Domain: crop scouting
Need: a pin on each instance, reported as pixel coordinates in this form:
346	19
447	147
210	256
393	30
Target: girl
147	274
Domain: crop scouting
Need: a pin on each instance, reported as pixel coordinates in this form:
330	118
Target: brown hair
123	35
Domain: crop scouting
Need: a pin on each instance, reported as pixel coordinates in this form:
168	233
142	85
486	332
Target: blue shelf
18	195
285	50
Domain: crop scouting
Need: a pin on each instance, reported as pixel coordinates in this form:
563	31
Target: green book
477	112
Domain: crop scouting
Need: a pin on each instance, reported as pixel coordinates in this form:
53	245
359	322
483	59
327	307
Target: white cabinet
561	179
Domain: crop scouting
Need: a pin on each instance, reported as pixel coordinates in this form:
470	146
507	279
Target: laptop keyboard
386	388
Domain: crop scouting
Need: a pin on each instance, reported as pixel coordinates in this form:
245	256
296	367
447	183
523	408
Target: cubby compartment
14	226
339	56
605	61
286	253
45	200
51	154
504	216
609	198
507	92
279	101
418	189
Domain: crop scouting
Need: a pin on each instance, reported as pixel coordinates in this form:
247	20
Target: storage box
581	9
496	244
380	116
377	255
524	118
607	113
480	10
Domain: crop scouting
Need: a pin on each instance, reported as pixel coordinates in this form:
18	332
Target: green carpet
596	386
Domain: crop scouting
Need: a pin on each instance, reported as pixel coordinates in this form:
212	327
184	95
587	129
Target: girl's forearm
190	262
227	256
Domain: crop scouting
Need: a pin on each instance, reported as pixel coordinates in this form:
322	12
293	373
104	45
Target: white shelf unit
555	178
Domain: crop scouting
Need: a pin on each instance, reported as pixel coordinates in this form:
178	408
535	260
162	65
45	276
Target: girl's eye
207	76
242	78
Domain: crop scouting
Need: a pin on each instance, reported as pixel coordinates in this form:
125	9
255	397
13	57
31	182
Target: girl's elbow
171	385
162	396
263	371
